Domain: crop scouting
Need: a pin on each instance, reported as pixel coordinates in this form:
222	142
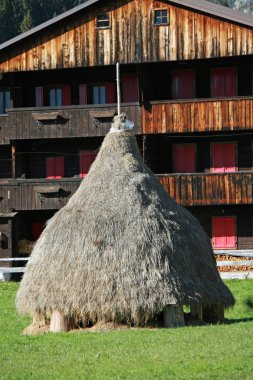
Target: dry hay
121	249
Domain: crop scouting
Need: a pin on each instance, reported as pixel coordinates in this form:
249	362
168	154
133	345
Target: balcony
63	122
36	194
209	189
198	115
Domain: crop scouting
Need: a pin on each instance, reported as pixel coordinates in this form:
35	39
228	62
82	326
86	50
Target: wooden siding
36	195
185	189
198	115
67	122
132	38
4	129
209	189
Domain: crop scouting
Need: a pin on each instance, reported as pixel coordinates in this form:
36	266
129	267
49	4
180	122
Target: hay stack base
121	251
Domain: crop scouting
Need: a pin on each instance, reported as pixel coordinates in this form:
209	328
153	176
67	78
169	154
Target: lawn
207	352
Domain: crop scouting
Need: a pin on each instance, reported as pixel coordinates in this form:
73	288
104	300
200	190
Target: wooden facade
131	38
198	116
172	92
209	189
23	195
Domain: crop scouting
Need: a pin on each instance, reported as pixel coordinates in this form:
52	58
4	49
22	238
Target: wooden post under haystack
58	323
173	316
197	312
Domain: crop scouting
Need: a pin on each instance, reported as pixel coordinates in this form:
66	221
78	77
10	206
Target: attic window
103	21
161	17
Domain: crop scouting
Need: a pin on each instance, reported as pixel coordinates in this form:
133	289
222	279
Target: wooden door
224	232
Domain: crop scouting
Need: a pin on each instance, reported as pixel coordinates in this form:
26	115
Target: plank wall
132	38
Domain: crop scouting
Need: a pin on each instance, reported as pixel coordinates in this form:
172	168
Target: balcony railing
209	189
198	115
36	194
64	122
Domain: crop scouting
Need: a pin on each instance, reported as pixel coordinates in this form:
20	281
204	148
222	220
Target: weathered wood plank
131	38
197	116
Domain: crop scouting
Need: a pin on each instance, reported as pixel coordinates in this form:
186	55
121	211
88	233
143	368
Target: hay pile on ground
121	249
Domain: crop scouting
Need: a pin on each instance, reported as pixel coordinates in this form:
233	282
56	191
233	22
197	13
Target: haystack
121	250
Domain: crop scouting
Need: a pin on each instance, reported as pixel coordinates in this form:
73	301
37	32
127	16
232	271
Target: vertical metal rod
118	87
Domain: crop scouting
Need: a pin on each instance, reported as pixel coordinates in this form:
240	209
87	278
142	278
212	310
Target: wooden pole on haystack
118	87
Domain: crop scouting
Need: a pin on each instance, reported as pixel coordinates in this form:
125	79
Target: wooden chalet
186	82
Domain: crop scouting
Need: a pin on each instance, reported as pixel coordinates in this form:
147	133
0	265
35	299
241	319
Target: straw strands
121	249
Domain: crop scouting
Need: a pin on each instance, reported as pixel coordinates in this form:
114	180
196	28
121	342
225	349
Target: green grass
209	352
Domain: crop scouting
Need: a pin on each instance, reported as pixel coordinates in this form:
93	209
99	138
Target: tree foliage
17	16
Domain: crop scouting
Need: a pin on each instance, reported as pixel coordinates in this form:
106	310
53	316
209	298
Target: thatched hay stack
121	250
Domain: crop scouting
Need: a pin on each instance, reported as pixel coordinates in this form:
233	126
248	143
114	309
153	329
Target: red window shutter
184	158
39	96
218	233
86	159
83	94
223	82
130	88
37	229
55	167
224	157
218	158
66	95
224	232
183	84
230	157
59	167
110	91
50	168
230	232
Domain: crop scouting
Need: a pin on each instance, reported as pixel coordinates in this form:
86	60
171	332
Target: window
223	157
53	96
37	229
224	232
223	82
55	167
183	84
102	93
97	95
86	159
161	17
103	21
184	158
130	88
5	101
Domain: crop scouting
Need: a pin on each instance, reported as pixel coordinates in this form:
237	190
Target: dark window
97	95
223	157
54	167
55	97
183	84
161	17
5	101
184	158
103	21
223	82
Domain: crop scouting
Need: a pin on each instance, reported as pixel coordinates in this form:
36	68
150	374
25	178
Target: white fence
5	272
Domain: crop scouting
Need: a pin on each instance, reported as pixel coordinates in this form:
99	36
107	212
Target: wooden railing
36	194
65	122
201	189
198	115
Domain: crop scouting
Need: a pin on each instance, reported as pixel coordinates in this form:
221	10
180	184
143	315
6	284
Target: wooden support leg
173	316
58	322
220	312
197	312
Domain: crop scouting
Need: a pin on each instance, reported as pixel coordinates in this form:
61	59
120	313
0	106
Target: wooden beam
58	322
173	316
13	157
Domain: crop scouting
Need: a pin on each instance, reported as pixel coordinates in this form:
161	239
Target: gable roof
203	6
